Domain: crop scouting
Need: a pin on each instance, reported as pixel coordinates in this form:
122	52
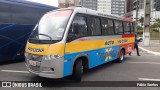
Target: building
140	4
68	3
104	6
129	5
131	9
91	4
118	7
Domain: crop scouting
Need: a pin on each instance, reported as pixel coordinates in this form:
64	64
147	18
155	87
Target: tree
156	24
141	20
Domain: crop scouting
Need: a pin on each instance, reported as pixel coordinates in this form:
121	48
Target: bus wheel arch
79	61
124	50
85	62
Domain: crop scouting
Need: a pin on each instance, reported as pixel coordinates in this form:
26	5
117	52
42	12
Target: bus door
76	42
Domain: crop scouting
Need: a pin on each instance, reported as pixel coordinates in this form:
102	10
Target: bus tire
121	57
78	70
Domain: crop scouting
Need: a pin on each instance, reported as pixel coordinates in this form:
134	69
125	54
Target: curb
151	52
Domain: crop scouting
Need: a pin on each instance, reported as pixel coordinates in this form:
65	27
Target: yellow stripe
52	49
56	49
73	47
35	46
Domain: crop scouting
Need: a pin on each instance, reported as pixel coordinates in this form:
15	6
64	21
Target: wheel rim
122	56
82	70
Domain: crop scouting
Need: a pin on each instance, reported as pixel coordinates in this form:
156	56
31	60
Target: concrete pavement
154	47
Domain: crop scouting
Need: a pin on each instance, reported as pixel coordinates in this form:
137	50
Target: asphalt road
134	68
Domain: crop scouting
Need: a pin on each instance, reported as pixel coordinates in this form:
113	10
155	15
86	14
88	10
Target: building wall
141	4
154	14
104	6
68	3
129	6
91	4
118	7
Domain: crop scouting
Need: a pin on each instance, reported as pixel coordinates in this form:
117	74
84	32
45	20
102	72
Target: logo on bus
122	41
110	42
36	49
108	54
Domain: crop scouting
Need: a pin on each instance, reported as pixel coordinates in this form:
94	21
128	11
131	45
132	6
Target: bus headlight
52	57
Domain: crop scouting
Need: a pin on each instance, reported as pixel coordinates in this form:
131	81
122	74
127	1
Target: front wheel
78	70
121	58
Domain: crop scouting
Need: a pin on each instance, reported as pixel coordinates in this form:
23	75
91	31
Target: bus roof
83	10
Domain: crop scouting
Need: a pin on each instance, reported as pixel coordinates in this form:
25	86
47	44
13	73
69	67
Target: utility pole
137	9
146	31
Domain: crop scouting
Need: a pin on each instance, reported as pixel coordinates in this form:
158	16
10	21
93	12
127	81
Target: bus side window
78	28
94	26
127	28
107	27
118	27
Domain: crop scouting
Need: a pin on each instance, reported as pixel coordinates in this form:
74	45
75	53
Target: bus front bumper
47	68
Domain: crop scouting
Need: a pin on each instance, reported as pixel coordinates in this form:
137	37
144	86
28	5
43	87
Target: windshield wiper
47	36
43	41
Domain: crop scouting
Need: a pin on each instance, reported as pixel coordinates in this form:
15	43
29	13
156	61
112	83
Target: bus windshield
51	27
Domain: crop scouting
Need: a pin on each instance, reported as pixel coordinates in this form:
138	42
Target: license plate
32	63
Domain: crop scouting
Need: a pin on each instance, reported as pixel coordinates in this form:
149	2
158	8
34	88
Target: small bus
70	40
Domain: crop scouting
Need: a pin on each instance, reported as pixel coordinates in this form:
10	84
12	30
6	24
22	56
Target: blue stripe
97	57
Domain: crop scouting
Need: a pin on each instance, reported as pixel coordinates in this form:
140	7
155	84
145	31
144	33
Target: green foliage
155	30
155	35
158	20
139	28
140	32
156	24
141	20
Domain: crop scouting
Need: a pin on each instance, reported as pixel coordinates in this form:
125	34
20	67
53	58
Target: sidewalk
154	47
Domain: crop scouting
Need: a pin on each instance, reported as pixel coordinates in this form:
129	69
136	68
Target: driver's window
78	28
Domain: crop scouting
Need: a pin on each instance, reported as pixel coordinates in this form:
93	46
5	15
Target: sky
48	2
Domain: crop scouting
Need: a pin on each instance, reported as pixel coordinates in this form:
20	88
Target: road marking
14	71
144	63
148	79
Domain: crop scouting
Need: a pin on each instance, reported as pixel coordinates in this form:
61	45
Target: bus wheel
121	58
78	70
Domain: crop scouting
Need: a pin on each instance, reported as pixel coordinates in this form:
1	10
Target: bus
68	41
17	20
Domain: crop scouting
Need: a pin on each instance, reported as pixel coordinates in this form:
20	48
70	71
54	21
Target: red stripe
127	35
